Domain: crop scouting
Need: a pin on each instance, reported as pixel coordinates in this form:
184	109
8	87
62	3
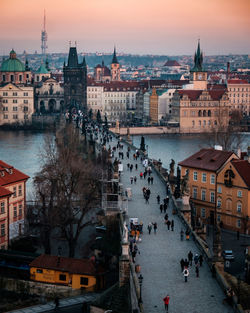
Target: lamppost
140	278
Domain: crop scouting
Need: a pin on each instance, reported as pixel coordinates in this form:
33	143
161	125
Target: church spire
114	60
198	59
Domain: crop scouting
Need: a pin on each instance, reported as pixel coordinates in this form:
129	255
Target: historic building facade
12	203
200	109
14	71
239	95
16	104
49	96
75	82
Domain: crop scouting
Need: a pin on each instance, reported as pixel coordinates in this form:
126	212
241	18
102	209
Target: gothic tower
75	82
115	68
198	73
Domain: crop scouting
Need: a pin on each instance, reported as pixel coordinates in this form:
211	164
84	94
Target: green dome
12	64
42	70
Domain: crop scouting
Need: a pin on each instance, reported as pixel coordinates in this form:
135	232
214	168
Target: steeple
47	64
84	62
73	58
27	68
114	60
198	60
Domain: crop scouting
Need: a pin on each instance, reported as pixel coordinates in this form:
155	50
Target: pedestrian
187	234
155	227
186	263
135	179
152	180
56	301
133	256
186	274
182	262
161	207
149	179
201	260
136	166
149	228
182	235
165	206
190	257
166	302
197	270
168	224
166	218
196	259
144	174
147	198
141	174
172	225
158	199
131	179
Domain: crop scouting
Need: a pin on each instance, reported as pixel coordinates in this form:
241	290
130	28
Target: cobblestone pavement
160	255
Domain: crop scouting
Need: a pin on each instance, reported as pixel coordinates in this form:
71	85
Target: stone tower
75	82
198	73
115	68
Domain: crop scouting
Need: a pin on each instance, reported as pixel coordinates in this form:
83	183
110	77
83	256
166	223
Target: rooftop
9	174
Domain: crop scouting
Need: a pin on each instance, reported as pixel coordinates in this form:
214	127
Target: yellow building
153	106
233	195
239	95
77	273
204	168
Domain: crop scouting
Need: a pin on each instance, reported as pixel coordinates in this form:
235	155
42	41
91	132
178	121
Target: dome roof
12	64
42	70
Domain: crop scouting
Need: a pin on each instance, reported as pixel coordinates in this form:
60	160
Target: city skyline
161	27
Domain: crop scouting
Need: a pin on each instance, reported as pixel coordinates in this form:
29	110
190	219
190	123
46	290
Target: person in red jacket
166	302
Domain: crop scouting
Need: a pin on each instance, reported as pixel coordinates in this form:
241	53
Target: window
239	207
15	211
14	93
5	116
25	94
2	230
203	212
62	277
15	109
19	190
25	101
14	191
84	281
20	78
195	193
195	176
15	117
212	179
25	109
14	100
40	271
219	203
238	223
5	93
218	218
212	196
204	177
203	195
219	189
5	108
20	211
239	194
2	208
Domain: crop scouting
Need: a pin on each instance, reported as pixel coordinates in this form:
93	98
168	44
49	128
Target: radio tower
44	36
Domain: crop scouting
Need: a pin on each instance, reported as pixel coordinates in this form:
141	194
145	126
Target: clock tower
115	68
198	74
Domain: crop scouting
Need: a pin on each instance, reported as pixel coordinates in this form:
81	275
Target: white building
165	104
16	104
239	95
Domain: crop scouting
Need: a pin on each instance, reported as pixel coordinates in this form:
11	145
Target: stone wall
36	288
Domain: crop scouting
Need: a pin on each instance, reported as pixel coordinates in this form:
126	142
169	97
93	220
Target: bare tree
68	188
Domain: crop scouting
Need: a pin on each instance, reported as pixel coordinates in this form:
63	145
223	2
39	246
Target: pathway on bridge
160	255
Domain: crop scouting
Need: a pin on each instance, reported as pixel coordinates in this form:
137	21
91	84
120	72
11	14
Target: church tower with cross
198	73
115	68
75	82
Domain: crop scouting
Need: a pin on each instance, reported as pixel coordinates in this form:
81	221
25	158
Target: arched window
204	113
229	205
215	122
199	113
204	123
209	113
239	207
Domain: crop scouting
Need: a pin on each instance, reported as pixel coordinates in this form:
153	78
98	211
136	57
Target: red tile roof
193	95
243	168
172	63
207	159
237	81
9	174
70	265
4	192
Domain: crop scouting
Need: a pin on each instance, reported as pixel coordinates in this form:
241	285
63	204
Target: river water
22	149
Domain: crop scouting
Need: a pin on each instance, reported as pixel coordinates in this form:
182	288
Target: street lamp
140	278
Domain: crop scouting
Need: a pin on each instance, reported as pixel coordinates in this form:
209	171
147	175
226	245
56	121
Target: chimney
239	153
218	147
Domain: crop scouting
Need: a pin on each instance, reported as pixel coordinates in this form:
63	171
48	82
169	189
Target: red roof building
12	202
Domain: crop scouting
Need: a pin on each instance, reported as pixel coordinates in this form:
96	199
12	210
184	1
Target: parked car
228	255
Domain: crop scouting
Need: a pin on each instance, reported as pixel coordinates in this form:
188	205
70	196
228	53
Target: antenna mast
44	36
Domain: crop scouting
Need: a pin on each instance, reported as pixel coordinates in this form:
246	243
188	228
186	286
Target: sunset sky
169	27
